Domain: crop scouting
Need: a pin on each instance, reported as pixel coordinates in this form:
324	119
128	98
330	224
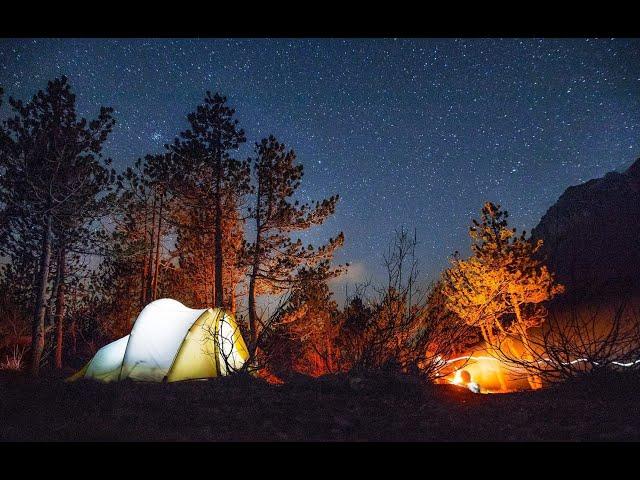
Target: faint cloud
356	273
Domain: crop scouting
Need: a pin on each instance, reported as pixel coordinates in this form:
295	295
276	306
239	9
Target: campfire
480	374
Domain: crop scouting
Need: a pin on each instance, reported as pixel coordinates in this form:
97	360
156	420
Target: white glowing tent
171	342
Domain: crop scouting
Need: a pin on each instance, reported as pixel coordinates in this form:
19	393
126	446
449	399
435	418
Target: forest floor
383	407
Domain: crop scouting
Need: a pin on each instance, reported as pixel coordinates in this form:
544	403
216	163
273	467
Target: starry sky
413	132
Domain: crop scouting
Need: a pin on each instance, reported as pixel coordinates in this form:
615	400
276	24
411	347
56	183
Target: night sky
409	132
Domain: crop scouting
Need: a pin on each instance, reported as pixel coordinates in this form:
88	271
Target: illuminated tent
170	342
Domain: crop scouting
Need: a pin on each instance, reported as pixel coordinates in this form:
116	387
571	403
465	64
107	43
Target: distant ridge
624	167
592	235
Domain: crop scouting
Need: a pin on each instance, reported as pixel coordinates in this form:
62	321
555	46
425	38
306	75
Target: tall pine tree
208	178
274	257
501	288
52	172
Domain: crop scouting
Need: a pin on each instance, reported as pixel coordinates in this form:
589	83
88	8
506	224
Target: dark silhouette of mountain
592	235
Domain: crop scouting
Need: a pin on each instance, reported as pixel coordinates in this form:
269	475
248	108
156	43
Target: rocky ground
333	408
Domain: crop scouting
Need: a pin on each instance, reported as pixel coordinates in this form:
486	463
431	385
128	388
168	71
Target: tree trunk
73	329
535	381
37	333
149	279
50	313
233	307
491	349
251	294
156	271
213	275
60	305
218	240
252	310
145	268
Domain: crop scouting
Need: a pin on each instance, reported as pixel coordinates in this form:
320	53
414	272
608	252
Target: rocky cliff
592	235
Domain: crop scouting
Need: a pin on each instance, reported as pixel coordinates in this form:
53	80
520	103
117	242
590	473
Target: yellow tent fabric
201	357
170	342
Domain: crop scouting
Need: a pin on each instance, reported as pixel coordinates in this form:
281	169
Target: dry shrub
14	360
580	340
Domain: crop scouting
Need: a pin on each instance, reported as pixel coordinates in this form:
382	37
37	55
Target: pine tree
192	281
501	287
52	177
274	257
208	178
311	321
137	255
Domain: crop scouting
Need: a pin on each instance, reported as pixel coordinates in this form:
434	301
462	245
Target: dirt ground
383	407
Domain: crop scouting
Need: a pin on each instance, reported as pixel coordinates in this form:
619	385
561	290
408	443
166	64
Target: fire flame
483	373
457	378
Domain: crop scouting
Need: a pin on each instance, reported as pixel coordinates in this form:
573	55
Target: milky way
414	132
